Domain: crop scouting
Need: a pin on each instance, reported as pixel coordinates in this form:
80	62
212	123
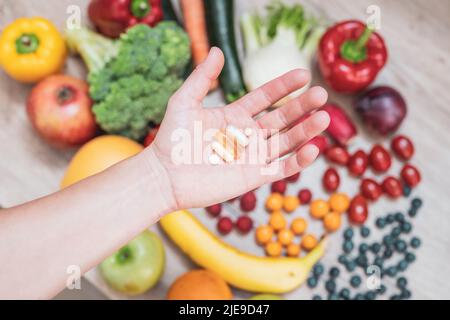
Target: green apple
136	267
266	296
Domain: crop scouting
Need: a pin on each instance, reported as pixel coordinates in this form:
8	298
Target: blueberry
406	227
378	261
316	297
396	232
416	203
318	269
399	217
370	295
347	246
382	289
415	242
391	271
402	265
330	285
350	266
402	282
342	259
363	247
355	281
375	247
312	282
348	233
334	272
395	297
390	218
359	296
388	240
345	294
406	191
361	261
412	212
400	245
333	296
365	232
387	253
380	223
410	257
406	294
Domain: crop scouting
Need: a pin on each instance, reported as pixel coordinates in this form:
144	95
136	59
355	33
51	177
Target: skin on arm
85	223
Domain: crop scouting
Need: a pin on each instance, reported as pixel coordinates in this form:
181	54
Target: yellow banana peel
242	270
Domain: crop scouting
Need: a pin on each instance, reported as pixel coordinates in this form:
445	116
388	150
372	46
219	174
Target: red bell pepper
112	17
350	56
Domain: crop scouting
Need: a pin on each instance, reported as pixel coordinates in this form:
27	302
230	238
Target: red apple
59	108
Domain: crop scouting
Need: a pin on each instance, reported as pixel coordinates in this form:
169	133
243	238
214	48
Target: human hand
196	182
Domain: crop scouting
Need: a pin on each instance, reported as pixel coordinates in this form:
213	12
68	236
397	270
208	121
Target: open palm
198	183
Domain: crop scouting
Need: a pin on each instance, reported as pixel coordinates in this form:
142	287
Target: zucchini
220	25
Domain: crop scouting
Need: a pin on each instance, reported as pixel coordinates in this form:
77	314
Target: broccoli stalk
132	79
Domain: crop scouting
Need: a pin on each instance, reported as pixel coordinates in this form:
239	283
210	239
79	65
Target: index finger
272	91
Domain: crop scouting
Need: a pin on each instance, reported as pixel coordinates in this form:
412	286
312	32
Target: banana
242	270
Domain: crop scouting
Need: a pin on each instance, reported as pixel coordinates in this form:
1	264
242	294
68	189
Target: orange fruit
199	285
277	221
285	237
274	202
97	155
293	250
290	203
273	249
332	221
298	226
319	208
339	202
309	242
263	234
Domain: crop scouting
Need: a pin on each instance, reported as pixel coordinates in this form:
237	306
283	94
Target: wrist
158	186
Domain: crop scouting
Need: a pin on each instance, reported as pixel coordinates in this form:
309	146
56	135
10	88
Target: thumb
197	85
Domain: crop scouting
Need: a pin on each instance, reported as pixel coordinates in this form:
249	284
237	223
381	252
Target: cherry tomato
304	195
293	178
224	225
392	187
151	136
370	189
380	159
214	210
244	224
248	201
410	175
279	186
338	155
358	212
331	180
402	147
357	164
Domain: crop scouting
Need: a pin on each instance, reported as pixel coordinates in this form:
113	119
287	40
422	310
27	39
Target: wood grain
416	32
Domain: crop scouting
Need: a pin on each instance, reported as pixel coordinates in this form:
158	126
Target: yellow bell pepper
31	49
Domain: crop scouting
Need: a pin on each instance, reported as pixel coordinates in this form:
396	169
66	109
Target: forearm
80	225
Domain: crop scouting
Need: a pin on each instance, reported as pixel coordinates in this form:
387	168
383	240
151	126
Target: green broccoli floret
131	79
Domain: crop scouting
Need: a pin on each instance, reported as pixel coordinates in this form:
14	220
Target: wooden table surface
416	33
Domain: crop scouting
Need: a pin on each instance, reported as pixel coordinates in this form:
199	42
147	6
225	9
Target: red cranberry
304	196
248	201
224	225
402	147
214	210
244	224
357	164
294	178
331	180
279	186
410	175
392	187
338	155
358	212
370	189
